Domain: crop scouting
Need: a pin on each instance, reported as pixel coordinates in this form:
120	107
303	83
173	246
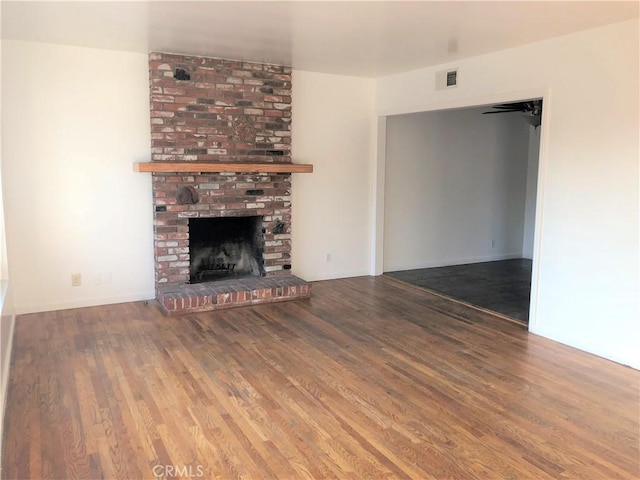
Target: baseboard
333	275
81	303
453	261
623	356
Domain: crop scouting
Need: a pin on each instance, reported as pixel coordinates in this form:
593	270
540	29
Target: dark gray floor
503	286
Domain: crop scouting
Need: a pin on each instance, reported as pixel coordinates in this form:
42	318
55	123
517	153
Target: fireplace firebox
225	247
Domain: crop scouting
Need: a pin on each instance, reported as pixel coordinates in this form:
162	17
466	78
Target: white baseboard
332	275
453	261
85	302
625	356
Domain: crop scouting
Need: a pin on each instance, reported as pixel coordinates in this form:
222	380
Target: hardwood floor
370	378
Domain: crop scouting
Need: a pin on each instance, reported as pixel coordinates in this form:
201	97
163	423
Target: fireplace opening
223	248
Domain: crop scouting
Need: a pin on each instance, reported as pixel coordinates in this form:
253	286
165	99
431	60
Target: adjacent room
205	207
460	196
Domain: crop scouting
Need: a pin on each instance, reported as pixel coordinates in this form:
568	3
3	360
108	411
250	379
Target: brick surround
223	194
227	112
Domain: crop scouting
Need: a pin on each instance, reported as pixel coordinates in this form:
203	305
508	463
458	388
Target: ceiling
359	38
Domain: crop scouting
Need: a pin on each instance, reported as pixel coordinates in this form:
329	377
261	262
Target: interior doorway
460	202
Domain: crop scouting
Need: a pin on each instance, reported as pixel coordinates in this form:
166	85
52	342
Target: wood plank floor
370	378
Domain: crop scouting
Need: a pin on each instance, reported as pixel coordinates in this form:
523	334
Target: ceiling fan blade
516	108
501	111
514	105
529	107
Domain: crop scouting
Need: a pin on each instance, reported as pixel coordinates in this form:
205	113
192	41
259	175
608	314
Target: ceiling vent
447	79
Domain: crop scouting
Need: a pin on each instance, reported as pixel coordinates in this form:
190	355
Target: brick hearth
185	298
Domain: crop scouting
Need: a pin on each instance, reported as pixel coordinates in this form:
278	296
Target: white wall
531	193
73	122
7	318
333	128
586	285
77	119
455	182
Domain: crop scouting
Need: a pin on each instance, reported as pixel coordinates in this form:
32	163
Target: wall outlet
76	279
106	277
328	258
493	244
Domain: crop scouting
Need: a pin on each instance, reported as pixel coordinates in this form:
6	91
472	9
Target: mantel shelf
193	167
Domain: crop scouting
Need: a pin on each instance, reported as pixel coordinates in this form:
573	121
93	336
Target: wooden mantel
192	167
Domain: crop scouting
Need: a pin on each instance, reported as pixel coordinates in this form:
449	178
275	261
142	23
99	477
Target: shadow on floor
502	286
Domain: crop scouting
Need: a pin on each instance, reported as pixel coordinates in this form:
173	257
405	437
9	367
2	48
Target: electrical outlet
76	279
328	258
493	244
106	277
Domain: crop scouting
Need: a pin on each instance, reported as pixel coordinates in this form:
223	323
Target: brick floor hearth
187	298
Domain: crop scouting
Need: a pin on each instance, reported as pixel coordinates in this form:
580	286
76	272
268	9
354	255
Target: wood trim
192	167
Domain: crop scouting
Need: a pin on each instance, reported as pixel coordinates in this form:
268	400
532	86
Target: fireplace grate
226	247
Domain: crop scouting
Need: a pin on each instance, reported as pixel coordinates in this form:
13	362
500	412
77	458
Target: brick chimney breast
223	111
227	111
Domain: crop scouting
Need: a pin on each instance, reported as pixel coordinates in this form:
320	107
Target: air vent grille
452	78
446	79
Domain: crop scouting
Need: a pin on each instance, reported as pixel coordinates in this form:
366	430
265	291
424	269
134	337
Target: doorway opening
460	202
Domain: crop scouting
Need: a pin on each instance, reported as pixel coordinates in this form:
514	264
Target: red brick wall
228	111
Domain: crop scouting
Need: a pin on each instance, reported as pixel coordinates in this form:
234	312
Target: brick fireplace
220	148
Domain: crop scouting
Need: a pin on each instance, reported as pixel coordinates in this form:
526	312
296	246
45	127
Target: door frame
377	200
